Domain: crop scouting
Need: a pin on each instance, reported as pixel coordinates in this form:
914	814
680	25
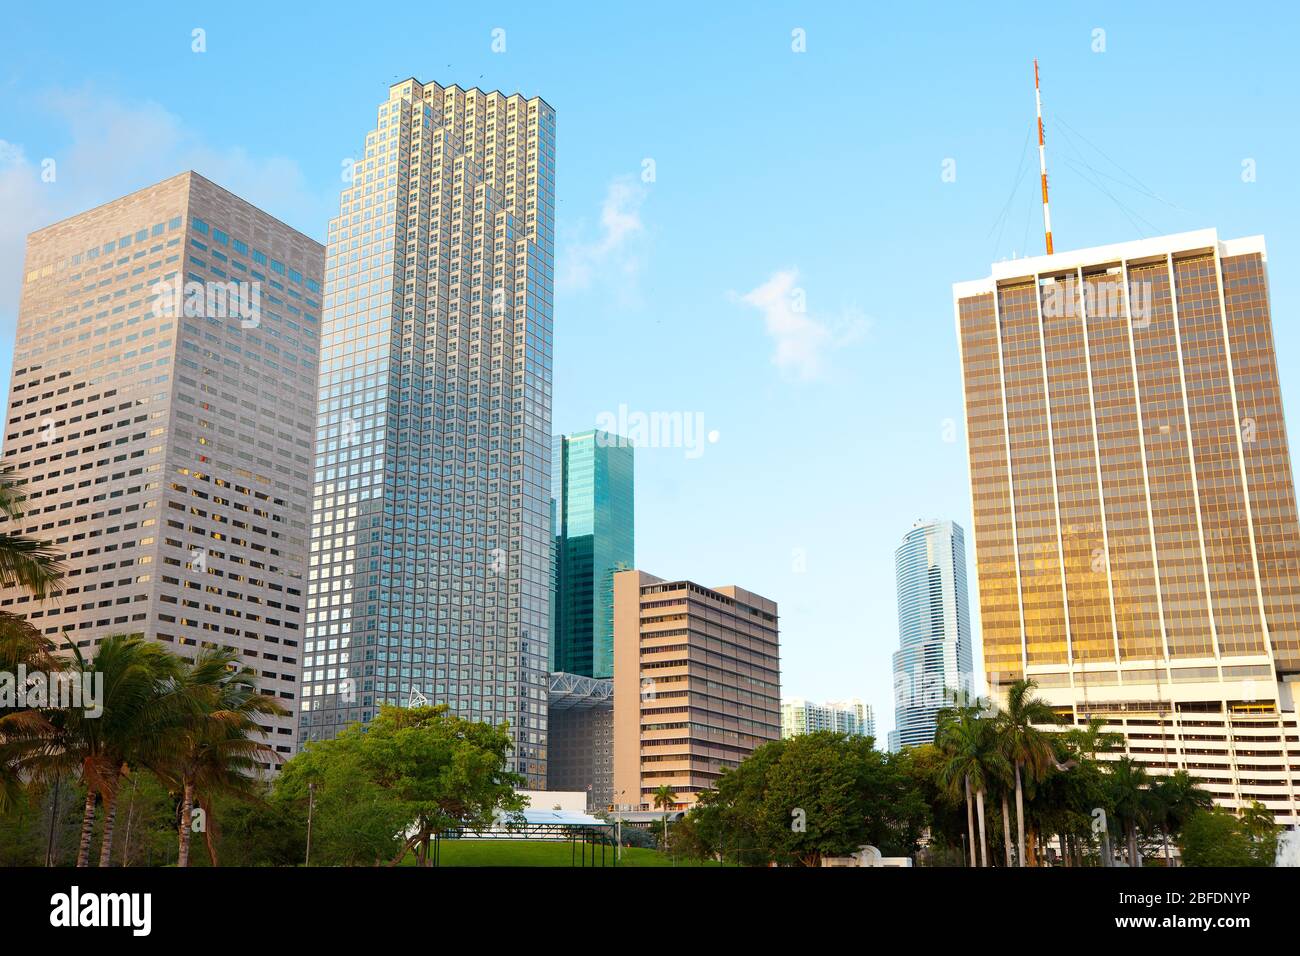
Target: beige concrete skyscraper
1136	538
430	566
697	684
160	420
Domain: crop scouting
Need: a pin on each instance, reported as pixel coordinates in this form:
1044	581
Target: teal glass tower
592	498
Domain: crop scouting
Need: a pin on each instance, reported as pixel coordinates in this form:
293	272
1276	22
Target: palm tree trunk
970	821
1169	853
1006	826
187	809
1133	844
984	843
1020	815
110	816
87	827
209	831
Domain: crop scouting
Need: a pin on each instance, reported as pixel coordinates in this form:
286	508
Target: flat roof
1114	253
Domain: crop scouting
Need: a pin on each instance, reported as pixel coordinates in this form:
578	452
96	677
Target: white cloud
107	148
800	339
615	250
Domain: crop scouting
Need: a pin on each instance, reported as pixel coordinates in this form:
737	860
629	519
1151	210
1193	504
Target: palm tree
1088	742
137	707
25	562
1027	748
1174	800
1128	784
972	760
22	649
214	746
33	566
665	797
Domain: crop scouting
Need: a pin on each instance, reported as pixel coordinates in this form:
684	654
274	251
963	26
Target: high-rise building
1136	538
430	566
697	684
933	661
161	413
581	729
852	717
592	491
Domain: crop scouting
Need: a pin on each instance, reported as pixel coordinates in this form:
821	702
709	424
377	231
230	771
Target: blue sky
778	176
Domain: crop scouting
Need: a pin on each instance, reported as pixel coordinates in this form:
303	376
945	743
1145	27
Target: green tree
1026	748
215	739
1128	785
665	799
798	800
414	772
25	562
33	566
1218	837
1174	800
138	706
973	762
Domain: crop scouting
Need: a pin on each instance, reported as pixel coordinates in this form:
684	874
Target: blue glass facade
593	498
430	556
934	656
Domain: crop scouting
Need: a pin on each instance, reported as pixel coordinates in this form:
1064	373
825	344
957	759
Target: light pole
311	802
618	827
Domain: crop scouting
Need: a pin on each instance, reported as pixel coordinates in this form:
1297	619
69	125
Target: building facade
697	685
851	717
1137	544
593	496
934	659
581	729
161	413
430	562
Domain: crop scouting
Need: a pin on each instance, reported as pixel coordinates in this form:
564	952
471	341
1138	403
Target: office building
1136	538
581	730
697	685
431	542
851	717
933	662
592	493
161	413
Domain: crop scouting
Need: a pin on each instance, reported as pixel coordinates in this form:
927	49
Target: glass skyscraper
934	657
1136	533
430	554
593	498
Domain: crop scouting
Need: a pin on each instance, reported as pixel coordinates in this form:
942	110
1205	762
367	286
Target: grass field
538	853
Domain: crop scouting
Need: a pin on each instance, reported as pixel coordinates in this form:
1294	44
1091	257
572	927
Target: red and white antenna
1042	159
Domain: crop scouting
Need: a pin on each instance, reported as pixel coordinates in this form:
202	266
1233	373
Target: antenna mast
1042	159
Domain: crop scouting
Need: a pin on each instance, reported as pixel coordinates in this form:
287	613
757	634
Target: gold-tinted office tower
1136	539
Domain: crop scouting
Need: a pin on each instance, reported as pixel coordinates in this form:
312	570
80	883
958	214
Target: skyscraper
592	488
1137	545
430	572
160	422
934	657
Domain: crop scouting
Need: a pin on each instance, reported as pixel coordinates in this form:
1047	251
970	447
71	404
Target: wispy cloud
118	147
614	251
801	340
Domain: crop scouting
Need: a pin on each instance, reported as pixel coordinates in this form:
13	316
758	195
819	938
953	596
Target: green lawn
538	853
